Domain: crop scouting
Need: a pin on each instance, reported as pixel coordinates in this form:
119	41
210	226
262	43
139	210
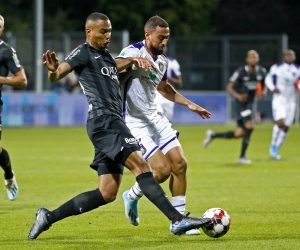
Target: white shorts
165	106
154	135
283	110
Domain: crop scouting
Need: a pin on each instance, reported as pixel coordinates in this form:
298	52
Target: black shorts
113	143
244	113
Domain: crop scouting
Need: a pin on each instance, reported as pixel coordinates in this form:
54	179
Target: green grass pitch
52	166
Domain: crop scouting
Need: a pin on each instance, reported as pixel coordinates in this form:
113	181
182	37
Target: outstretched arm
166	90
56	71
138	62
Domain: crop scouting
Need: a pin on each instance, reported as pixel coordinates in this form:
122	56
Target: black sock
82	203
227	135
245	142
5	164
152	190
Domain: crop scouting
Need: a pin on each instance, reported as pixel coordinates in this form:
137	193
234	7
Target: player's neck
252	68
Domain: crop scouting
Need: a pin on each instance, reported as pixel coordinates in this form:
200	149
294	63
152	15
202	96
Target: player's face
289	57
157	40
1	27
252	59
99	34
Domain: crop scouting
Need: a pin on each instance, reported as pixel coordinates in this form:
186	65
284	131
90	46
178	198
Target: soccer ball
220	222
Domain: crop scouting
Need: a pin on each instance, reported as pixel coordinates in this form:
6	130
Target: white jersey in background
165	106
139	93
283	76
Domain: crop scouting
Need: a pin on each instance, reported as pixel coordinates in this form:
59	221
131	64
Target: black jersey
98	76
8	62
246	82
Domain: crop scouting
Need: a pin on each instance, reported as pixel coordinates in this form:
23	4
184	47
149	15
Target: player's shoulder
80	49
136	46
262	69
4	46
296	65
241	69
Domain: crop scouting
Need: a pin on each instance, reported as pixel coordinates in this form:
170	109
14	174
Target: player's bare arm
56	71
138	62
167	91
19	79
125	75
231	91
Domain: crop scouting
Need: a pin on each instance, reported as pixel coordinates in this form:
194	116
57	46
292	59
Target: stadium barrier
49	109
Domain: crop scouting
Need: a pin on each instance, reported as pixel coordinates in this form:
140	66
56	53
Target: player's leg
161	168
284	126
109	180
245	128
10	181
152	190
210	135
178	181
279	132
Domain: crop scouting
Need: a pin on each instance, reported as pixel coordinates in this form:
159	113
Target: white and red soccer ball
220	222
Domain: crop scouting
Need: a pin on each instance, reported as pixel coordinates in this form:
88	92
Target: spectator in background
73	85
242	86
9	63
282	82
165	106
61	86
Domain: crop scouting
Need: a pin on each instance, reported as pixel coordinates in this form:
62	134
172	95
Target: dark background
193	17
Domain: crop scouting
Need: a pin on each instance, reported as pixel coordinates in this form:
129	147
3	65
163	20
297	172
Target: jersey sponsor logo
246	112
259	77
161	66
251	85
73	53
110	71
131	140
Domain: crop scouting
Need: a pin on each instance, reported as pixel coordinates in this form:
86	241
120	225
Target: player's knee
162	174
180	166
109	197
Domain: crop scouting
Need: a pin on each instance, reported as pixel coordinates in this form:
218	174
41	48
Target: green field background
52	166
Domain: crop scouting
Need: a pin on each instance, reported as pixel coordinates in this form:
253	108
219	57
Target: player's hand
276	90
242	97
143	63
50	60
199	110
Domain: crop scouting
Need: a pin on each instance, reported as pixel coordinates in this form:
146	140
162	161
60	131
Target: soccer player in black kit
9	63
114	145
242	86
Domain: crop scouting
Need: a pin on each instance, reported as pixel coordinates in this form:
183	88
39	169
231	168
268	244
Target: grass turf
51	166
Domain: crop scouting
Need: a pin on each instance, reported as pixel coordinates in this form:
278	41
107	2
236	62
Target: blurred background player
242	86
282	82
9	63
165	106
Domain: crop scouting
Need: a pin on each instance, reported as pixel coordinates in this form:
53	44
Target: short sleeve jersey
246	82
98	76
8	62
140	91
283	76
